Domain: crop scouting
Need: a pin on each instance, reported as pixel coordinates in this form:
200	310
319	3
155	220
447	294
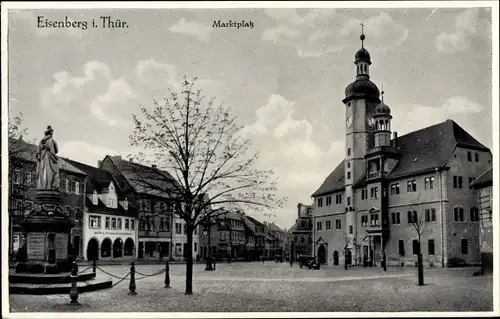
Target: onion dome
362	55
362	87
382	108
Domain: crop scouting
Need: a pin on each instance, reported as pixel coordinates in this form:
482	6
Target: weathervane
362	37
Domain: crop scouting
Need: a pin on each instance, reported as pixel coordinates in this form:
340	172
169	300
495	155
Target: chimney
394	138
130	159
99	164
154	166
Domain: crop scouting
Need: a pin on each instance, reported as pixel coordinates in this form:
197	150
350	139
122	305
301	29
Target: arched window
458	213
106	248
474	214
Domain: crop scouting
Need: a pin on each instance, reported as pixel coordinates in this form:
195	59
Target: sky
284	78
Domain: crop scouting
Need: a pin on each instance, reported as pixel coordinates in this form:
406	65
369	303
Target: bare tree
202	148
420	223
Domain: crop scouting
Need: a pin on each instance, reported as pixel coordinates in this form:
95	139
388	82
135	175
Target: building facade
302	232
483	186
391	198
109	223
161	233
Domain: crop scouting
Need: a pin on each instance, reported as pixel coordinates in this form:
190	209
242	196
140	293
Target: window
132	224
348	164
302	240
17	177
28	178
77	188
469	156
106	223
348	201
338	199
195	247
328	225
185	228
126	224
430	215
113	223
474	214
66	185
95	198
320	202
411	186
430	246
318	225
162	224
464	246
458	213
178	249
178	228
477	157
374	220
338	224
395	189
94	222
412	217
119	224
395	218
457	181
351	229
222	236
471	179
348	175
429	183
401	247
348	152
364	220
309	239
328	200
416	247
364	194
374	192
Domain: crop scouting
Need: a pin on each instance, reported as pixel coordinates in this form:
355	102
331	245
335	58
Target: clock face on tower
348	121
370	121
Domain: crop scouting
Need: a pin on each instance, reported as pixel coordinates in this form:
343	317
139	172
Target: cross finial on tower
382	93
362	37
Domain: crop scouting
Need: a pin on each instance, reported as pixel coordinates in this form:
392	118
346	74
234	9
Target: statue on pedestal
48	162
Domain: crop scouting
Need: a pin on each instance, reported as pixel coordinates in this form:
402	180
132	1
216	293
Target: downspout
442	217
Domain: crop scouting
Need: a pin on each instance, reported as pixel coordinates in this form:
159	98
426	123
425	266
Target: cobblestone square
277	287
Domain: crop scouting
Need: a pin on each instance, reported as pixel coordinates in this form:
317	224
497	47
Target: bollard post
131	287
94	264
167	275
73	293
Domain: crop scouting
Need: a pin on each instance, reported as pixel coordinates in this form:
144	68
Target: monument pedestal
47	228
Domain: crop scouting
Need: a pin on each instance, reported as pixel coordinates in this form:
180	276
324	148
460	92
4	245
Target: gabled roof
484	180
102	208
100	178
145	179
334	181
420	151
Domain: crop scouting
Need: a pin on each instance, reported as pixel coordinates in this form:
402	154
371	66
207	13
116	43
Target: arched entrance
106	248
92	249
322	254
128	248
118	248
336	258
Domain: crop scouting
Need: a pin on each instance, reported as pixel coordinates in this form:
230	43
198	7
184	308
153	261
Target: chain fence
151	275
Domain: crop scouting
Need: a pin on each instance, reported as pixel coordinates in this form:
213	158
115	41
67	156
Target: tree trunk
189	260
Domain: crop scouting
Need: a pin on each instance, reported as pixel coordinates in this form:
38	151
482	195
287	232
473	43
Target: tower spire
382	93
362	37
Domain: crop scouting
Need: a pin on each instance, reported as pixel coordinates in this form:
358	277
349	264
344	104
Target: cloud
85	152
456	108
314	34
286	145
466	24
192	28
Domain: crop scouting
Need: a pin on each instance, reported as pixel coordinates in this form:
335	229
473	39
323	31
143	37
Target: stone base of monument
55	285
41	267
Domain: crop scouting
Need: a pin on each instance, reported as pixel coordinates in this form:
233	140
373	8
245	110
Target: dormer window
125	204
95	198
